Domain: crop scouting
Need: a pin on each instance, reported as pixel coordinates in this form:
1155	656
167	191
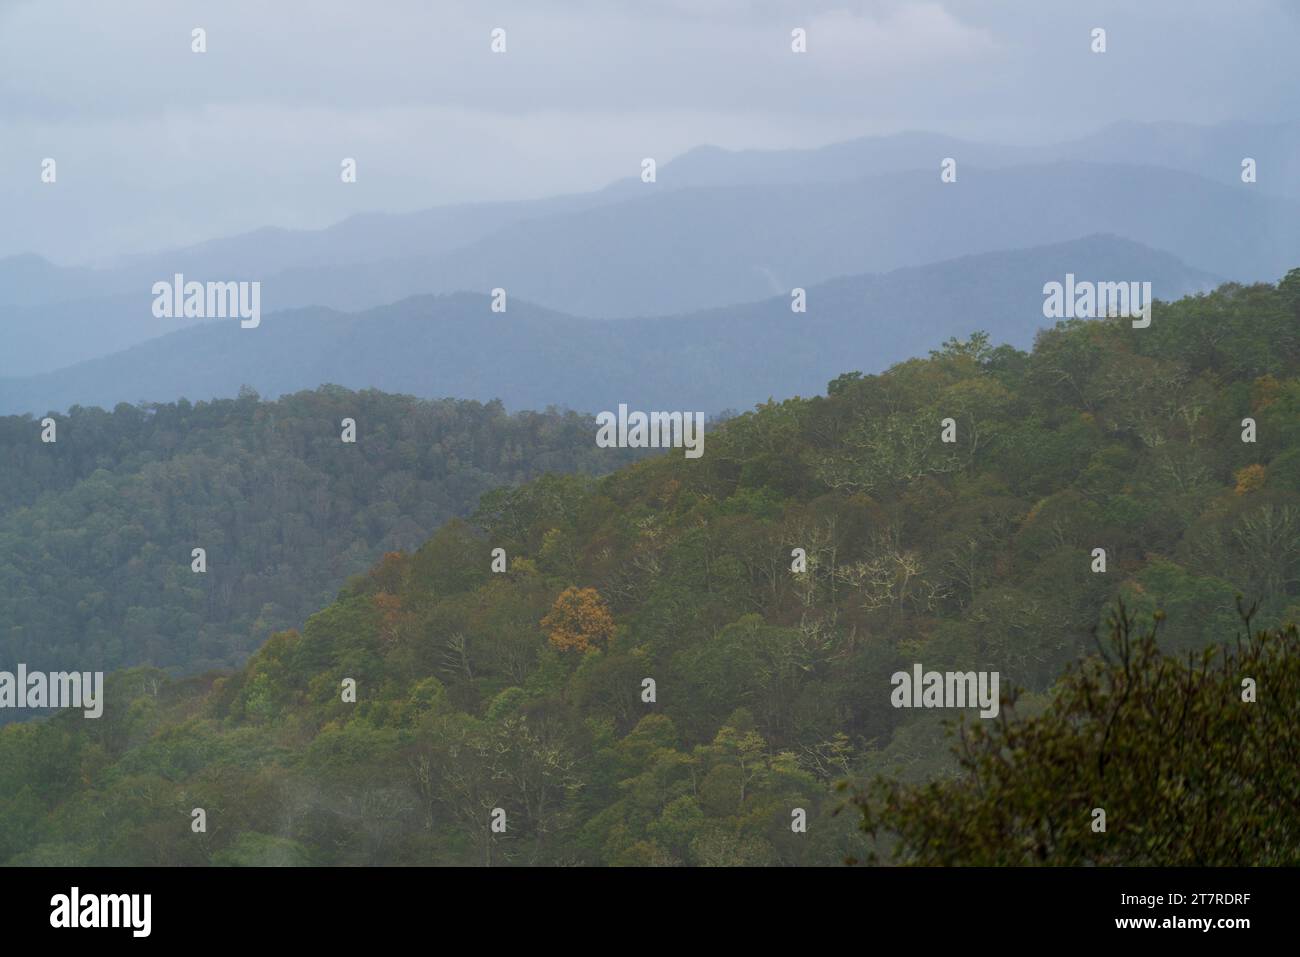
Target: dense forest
519	698
97	528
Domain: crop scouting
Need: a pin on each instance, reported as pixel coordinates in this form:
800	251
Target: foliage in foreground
1194	761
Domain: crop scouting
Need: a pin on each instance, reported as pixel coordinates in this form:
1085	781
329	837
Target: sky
157	146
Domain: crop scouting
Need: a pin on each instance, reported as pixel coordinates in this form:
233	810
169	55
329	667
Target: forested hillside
525	690
98	527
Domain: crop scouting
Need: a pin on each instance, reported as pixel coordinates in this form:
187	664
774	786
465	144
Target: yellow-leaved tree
578	619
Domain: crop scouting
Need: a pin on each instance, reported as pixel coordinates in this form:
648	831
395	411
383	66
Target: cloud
911	37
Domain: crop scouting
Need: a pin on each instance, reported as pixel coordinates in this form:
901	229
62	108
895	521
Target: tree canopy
769	589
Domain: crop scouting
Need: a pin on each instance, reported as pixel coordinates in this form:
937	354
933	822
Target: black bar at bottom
334	906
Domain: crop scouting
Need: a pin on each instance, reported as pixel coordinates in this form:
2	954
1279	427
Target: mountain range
716	228
533	357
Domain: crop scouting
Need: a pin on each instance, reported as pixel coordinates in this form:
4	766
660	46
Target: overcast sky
157	146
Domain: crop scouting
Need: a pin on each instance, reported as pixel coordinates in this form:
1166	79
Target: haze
159	147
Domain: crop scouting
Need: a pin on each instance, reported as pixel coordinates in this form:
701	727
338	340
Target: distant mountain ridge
531	357
717	228
1211	152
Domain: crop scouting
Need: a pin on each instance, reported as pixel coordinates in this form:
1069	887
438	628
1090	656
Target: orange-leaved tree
578	619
